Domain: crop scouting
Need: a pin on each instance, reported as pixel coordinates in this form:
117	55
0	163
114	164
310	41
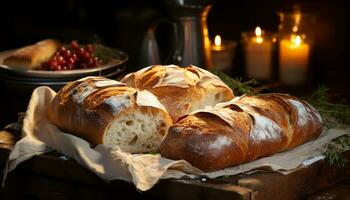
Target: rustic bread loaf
180	90
31	57
104	111
241	130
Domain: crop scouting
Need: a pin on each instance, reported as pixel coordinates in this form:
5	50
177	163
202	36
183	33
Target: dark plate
27	85
119	60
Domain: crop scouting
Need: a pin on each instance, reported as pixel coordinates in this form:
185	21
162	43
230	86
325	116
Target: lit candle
294	59
258	52
222	53
217	42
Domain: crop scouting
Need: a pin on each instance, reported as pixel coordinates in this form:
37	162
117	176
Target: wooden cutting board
54	176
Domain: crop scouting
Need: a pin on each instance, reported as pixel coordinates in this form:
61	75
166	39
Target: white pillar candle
258	52
294	59
222	54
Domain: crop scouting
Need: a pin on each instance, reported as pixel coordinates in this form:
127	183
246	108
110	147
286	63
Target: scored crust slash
186	113
104	111
241	130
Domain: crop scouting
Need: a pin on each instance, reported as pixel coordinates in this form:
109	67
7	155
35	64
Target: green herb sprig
236	85
333	114
104	53
334	151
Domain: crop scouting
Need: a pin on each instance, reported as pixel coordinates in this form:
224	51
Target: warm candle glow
297	18
258	31
294	58
295	29
217	40
258	51
222	53
258	37
296	40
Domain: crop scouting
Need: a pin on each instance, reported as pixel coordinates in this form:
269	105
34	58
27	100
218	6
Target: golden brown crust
31	57
81	107
195	138
243	130
180	90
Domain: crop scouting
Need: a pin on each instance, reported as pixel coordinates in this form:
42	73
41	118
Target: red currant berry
53	64
90	48
60	60
81	51
67	53
86	55
74	44
74	57
62	50
70	60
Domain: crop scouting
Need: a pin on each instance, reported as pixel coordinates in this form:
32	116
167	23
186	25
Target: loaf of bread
104	111
31	57
241	130
180	90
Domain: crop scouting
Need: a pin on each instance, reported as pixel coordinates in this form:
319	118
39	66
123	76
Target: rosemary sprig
104	53
236	85
333	114
334	151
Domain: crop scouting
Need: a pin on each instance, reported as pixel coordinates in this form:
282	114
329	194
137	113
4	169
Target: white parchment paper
143	170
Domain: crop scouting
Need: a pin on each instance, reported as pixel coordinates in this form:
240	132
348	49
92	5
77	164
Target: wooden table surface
53	176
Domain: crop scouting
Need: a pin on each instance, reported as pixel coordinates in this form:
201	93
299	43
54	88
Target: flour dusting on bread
303	114
106	83
264	129
80	92
180	89
220	142
104	111
118	103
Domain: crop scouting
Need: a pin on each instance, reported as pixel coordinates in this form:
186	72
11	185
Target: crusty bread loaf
104	111
31	57
241	130
180	90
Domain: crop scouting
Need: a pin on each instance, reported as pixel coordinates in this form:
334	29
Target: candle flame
296	40
217	40
258	31
258	38
295	29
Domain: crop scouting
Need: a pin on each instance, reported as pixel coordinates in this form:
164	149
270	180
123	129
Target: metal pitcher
191	41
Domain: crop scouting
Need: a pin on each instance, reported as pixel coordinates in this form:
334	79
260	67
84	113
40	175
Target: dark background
122	24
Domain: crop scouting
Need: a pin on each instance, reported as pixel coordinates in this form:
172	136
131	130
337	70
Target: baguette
180	90
31	57
104	111
241	130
